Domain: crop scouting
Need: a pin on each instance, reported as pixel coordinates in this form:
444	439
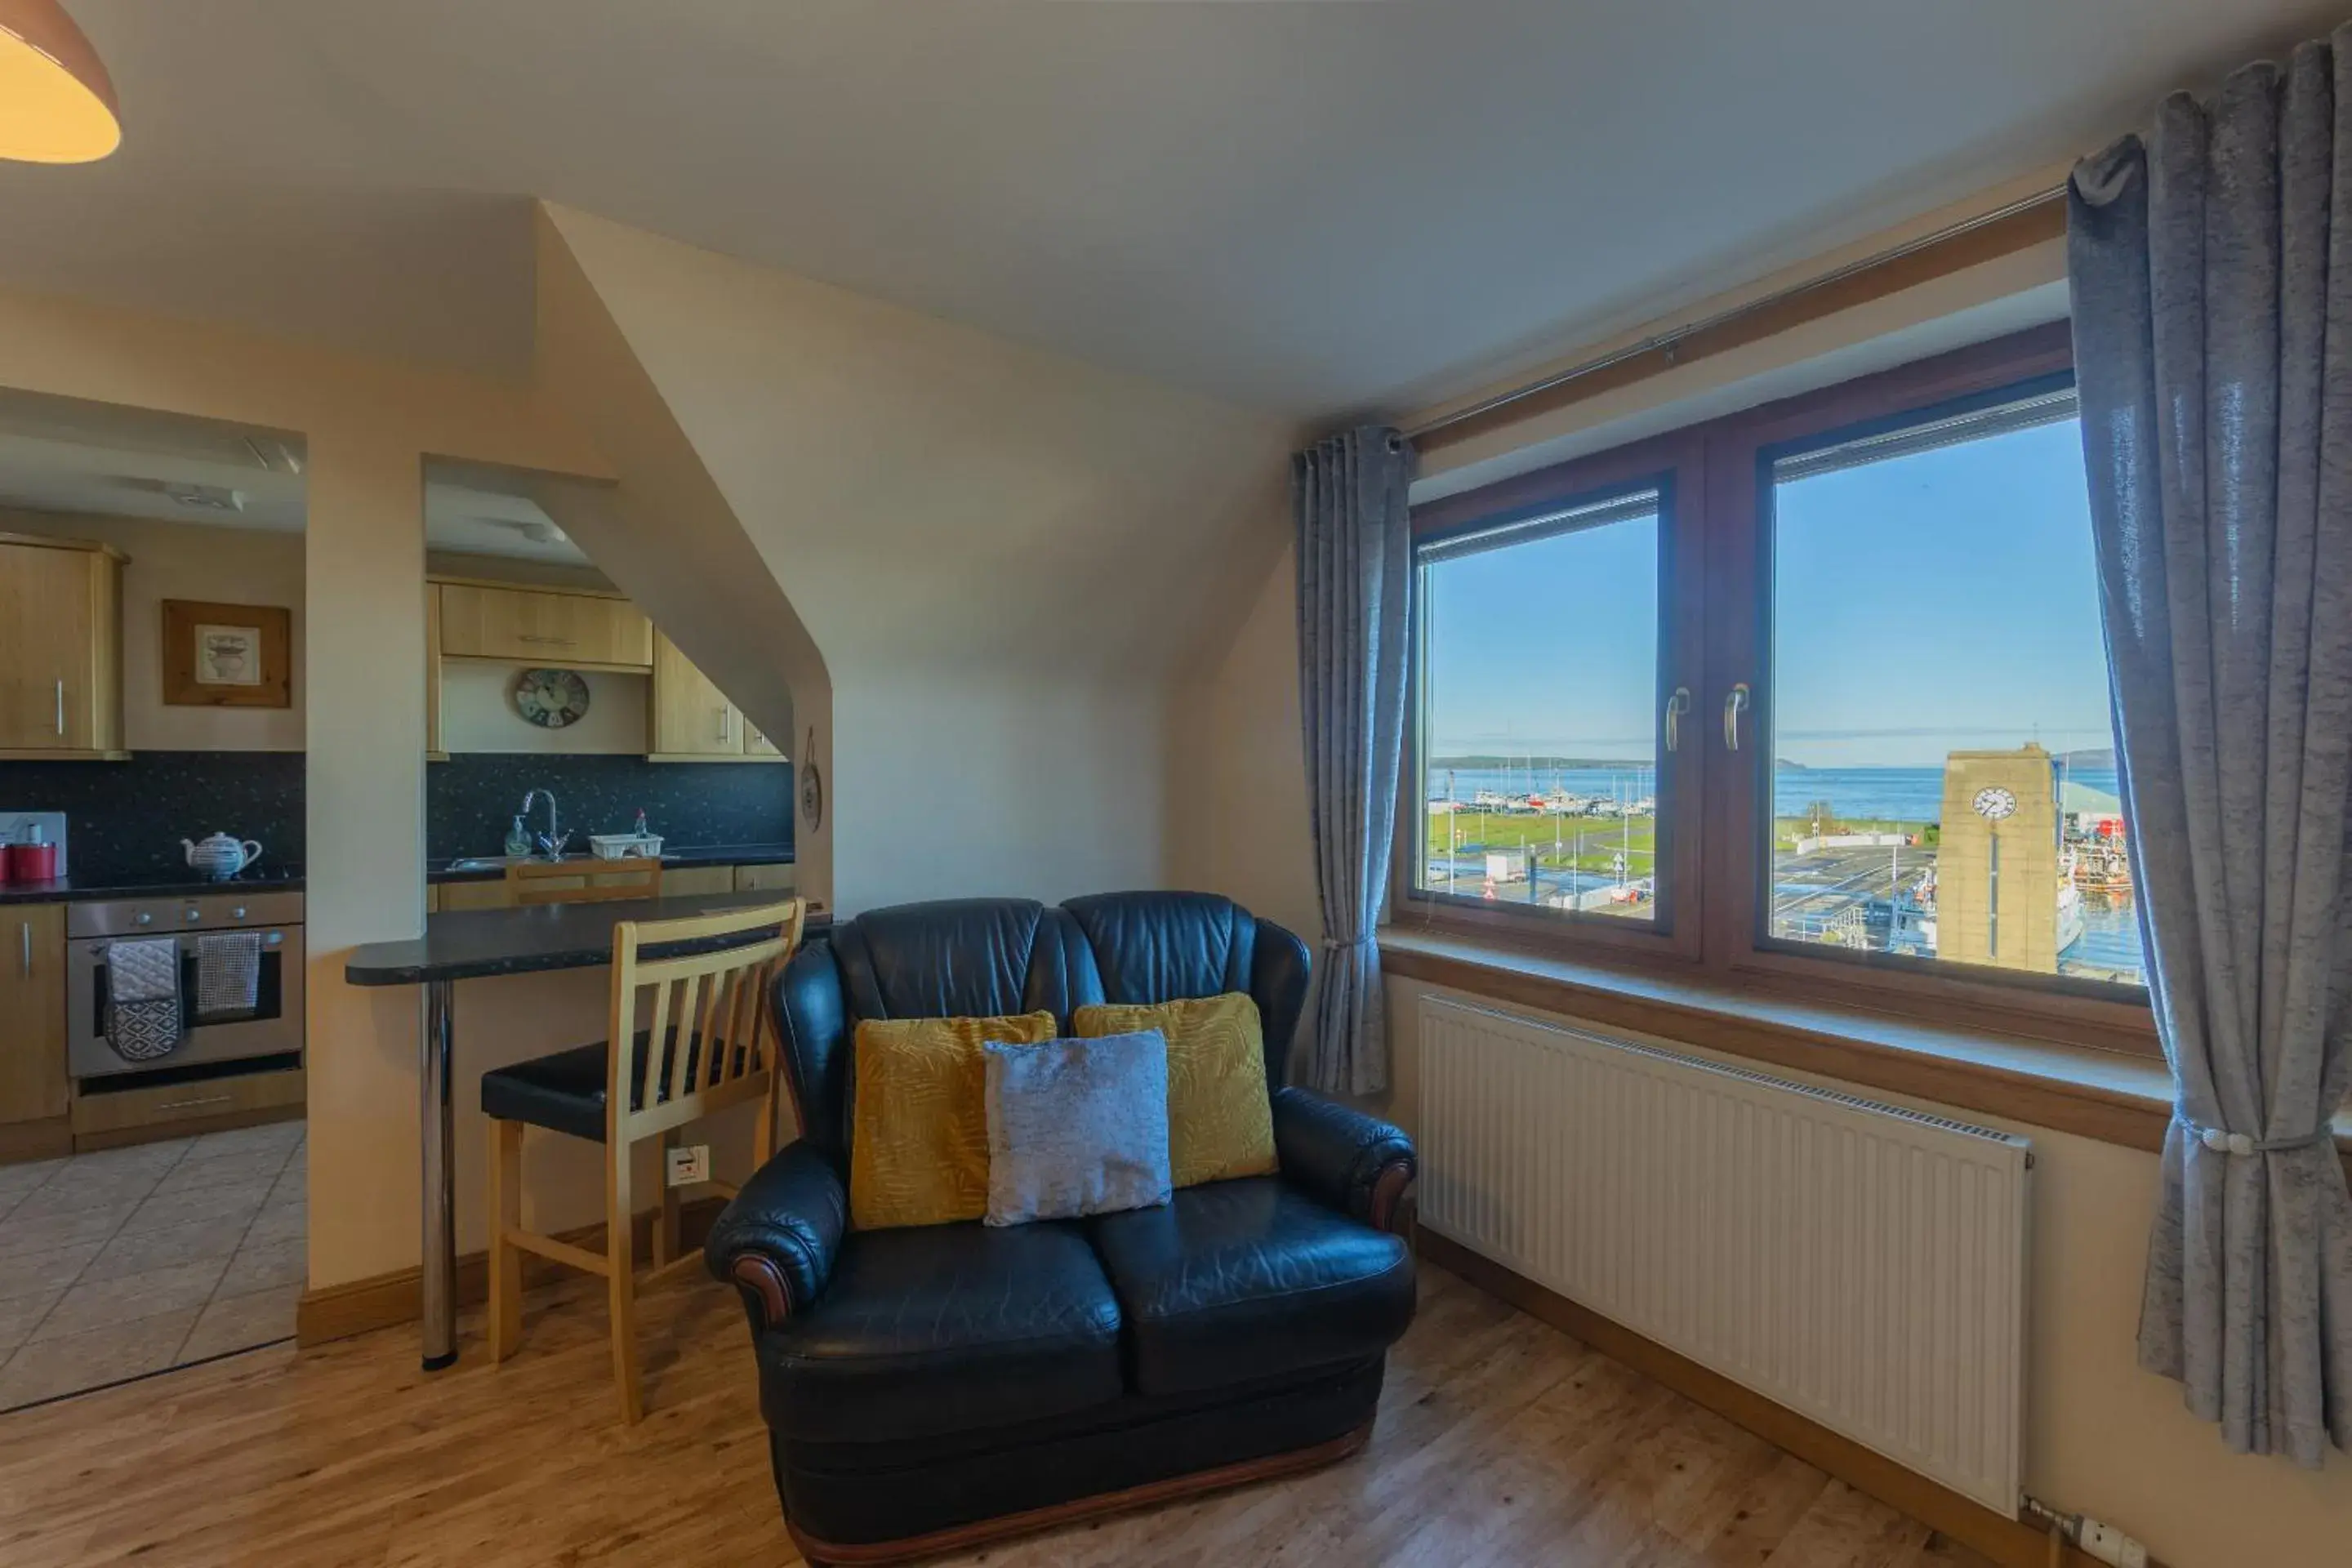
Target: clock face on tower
1994	803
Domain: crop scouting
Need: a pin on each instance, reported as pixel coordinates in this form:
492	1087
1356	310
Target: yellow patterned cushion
1220	1123
919	1126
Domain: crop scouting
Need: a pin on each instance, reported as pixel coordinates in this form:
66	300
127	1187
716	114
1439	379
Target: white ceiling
1304	207
57	455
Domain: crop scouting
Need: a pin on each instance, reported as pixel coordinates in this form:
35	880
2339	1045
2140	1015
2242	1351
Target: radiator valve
2095	1538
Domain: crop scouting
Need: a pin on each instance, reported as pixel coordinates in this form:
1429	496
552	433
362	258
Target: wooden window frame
1676	465
1717	600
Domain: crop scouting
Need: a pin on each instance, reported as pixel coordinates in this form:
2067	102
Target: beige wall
998	559
370	426
189	561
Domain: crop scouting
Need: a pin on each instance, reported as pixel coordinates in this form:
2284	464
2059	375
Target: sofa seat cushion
934	1329
1234	1281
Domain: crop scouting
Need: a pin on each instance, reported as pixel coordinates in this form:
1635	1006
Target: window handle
1735	702
1677	706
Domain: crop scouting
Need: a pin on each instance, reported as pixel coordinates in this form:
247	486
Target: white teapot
221	857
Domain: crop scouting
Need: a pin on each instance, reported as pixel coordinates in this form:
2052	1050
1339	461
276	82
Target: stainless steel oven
271	1027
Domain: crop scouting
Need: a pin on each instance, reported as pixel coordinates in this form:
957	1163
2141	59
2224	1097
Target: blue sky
1928	602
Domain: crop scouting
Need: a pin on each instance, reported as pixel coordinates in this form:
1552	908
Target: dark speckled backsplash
126	819
471	798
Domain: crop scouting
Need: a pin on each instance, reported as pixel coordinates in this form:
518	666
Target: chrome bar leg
440	1190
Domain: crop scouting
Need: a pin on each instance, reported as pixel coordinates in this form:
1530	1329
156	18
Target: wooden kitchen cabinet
534	625
60	649
679	881
486	894
33	1085
692	720
691	717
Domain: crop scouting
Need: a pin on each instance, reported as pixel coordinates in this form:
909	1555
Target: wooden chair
694	1039
531	882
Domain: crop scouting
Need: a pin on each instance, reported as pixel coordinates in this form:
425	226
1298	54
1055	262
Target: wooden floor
1501	1442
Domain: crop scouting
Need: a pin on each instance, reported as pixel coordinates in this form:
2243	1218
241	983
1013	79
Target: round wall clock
1994	803
551	698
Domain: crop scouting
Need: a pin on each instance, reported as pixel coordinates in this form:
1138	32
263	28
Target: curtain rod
1674	336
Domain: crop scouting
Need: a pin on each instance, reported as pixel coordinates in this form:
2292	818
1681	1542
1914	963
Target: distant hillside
1541	764
2100	759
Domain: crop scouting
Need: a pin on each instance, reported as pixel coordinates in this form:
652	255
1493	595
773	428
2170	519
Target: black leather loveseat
925	1388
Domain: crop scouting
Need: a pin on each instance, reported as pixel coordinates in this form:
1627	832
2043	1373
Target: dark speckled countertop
682	856
469	944
75	889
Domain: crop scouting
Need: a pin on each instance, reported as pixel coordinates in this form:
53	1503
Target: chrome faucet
552	842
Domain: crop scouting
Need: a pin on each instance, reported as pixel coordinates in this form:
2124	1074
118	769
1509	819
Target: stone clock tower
1997	865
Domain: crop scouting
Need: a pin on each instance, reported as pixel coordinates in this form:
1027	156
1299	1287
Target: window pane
1539	703
1943	768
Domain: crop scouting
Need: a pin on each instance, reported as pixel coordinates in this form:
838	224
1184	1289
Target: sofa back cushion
1219	1115
972	958
1151	947
919	1136
959	958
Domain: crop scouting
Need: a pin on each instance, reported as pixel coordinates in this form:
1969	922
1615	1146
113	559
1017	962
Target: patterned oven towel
142	982
228	973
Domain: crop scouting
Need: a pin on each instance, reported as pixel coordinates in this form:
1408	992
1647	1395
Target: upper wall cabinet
60	649
533	625
693	721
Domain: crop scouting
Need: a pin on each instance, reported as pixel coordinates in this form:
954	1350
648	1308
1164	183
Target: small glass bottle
518	840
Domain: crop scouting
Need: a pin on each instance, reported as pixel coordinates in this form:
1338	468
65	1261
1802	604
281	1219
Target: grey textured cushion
1076	1127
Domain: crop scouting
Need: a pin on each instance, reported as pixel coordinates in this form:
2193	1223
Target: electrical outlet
2108	1544
690	1166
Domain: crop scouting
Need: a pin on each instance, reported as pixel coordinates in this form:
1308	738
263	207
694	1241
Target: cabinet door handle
26	931
552	642
192	1104
726	722
61	706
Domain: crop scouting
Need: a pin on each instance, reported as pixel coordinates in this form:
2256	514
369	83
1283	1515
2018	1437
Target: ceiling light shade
57	102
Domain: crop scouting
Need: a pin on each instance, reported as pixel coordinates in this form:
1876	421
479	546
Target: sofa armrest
776	1241
1359	1164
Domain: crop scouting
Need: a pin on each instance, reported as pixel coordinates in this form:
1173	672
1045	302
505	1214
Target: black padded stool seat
564	1092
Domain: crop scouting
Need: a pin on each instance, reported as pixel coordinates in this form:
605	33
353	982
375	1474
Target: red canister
32	862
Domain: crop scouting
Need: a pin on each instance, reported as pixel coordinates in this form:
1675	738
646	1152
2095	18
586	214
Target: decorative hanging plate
812	785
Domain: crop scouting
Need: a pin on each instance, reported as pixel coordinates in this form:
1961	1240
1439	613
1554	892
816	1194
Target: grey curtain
2211	266
1355	578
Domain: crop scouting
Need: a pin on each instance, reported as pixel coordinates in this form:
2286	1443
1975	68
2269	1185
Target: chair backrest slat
705	1008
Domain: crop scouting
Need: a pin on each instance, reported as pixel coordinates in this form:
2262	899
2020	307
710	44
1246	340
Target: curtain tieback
1334	944
2241	1145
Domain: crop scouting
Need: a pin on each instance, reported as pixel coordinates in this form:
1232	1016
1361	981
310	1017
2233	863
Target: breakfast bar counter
472	945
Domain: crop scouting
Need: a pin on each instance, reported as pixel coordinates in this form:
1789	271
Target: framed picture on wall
228	655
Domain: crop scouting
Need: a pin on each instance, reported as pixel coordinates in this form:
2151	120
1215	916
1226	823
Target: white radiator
1862	1264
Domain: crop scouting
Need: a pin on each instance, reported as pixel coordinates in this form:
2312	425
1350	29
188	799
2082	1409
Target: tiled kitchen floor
131	1260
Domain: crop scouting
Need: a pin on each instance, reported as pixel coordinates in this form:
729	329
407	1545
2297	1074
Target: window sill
2101	1095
